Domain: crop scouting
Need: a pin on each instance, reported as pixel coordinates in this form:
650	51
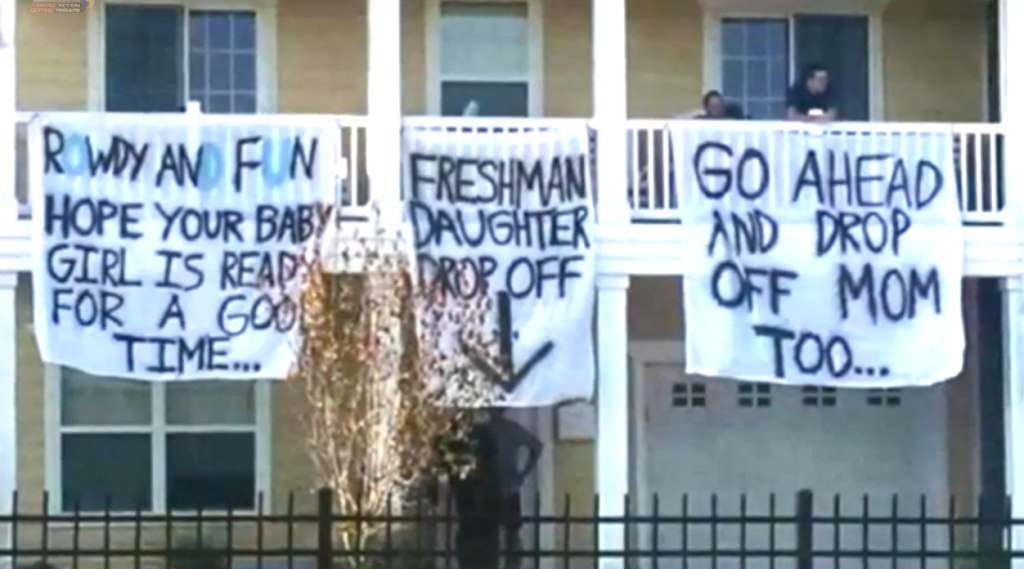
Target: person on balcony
810	98
511	440
716	107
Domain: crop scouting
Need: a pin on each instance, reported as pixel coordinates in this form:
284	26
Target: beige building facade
927	61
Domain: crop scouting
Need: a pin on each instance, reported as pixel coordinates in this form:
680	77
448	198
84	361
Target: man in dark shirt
512	438
810	98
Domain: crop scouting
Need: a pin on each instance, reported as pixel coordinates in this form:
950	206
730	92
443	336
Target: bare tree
384	365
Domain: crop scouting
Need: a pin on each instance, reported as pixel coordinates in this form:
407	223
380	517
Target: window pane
485	40
243	30
228	54
196	73
491	99
97	466
777	41
211	403
245	104
755	64
218	27
732	77
757	39
219	104
103	401
756	78
143	58
732	38
245	72
211	471
220	71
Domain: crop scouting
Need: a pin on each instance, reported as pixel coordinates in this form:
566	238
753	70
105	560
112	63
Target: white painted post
612	468
384	108
610	112
1011	49
8	280
610	109
8	108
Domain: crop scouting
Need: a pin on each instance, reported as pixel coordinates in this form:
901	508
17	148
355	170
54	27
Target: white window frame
717	10
262	432
266	45
533	77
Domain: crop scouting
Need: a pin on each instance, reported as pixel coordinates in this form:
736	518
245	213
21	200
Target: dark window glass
143	58
755	65
492	99
840	43
222	57
89	480
211	471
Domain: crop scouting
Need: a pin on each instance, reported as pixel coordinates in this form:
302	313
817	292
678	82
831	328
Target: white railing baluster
657	187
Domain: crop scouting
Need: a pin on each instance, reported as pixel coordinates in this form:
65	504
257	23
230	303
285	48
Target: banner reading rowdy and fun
158	246
513	211
818	257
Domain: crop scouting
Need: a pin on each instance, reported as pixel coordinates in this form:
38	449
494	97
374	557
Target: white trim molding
716	10
261	428
266	45
534	77
612	456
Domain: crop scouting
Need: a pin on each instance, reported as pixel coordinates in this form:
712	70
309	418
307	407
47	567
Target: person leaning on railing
714	107
810	97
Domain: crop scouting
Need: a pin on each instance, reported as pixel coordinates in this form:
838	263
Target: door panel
840	43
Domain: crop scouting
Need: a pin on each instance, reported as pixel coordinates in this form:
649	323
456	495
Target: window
484	59
155	447
158	57
761	56
819	396
754	395
884	398
755	65
689	395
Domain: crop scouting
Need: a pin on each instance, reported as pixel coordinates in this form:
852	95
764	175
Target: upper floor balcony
893	67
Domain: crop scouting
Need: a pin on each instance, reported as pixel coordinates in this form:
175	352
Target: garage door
716	436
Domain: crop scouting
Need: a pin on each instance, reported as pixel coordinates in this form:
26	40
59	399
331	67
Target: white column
8	403
610	111
612	464
8	281
8	84
610	108
384	107
1011	54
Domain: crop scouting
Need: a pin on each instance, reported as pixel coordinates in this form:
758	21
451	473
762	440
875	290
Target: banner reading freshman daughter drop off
819	257
513	212
162	247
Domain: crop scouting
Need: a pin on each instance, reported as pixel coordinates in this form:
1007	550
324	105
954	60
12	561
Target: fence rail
800	532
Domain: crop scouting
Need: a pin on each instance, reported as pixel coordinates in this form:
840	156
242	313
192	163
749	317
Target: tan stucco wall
934	60
322	68
51	60
321	50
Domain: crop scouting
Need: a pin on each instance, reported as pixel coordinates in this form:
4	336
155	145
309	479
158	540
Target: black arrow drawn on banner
507	378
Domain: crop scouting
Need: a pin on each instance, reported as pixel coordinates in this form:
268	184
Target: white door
707	437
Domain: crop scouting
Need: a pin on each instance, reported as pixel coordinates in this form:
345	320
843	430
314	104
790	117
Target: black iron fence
798	532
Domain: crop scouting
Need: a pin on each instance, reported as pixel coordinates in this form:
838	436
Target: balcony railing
977	156
651	187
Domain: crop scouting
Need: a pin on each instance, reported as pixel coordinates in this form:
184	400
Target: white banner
162	246
515	211
819	257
